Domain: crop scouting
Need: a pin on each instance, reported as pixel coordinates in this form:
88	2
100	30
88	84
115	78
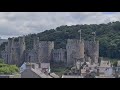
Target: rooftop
41	74
54	75
71	76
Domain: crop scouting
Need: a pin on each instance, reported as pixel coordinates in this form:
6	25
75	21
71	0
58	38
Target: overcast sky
14	24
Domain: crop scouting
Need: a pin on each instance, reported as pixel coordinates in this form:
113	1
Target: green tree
1	61
115	63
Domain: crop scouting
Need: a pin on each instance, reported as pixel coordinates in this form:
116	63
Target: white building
45	67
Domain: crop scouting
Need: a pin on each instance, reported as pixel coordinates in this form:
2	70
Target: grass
59	71
58	68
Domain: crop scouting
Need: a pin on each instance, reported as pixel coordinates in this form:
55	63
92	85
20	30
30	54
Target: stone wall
75	50
28	73
59	55
45	51
31	56
14	51
92	50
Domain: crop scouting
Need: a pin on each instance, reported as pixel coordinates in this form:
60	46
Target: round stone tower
45	51
22	44
36	43
22	48
10	49
92	50
36	48
75	51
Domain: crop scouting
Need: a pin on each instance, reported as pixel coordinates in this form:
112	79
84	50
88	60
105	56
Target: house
118	63
71	76
23	67
54	75
105	68
103	76
33	71
45	67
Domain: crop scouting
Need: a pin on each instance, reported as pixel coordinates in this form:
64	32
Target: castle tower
75	51
6	54
22	45
22	48
13	51
36	48
92	50
10	50
45	51
36	43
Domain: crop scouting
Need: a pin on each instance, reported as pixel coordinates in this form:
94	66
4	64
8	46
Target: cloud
22	23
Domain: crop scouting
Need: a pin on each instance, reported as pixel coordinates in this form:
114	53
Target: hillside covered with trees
107	34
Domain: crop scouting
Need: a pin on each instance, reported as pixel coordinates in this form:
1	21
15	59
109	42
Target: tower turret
36	43
22	48
75	51
45	51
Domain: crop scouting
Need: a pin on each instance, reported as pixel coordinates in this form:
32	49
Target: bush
1	61
8	69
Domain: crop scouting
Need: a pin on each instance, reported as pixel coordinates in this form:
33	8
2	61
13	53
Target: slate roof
71	76
41	74
54	75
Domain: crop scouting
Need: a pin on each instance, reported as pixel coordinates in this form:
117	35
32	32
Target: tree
115	63
8	69
1	61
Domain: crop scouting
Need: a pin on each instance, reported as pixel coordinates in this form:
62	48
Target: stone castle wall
45	50
14	51
59	55
92	50
31	56
75	50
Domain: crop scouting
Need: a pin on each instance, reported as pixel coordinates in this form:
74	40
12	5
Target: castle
44	51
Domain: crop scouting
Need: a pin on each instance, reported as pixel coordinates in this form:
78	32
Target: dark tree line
107	34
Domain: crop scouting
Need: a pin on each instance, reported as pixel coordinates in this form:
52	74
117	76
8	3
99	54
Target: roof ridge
41	74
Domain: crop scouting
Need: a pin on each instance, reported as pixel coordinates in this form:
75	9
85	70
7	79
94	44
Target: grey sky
22	23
